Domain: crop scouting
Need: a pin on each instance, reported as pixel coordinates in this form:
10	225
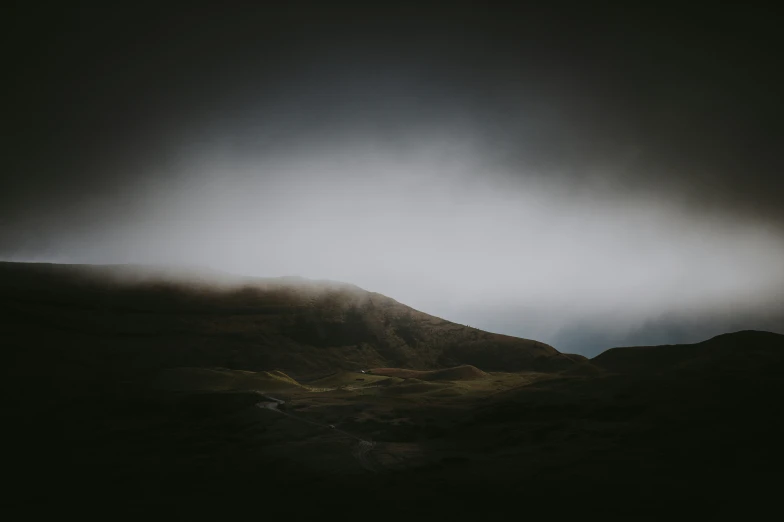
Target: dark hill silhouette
139	317
745	350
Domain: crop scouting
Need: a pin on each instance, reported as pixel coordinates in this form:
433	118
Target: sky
587	178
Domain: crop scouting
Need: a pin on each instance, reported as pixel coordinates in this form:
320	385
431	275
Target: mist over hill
135	317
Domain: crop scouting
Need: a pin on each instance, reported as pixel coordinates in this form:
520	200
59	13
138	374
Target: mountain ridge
728	351
255	324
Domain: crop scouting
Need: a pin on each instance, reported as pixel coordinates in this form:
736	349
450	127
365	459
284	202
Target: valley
133	397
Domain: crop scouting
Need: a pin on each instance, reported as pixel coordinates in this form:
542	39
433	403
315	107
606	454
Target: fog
436	228
566	178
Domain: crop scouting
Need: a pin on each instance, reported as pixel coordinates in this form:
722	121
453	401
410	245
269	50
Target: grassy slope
457	373
214	379
90	316
634	432
611	443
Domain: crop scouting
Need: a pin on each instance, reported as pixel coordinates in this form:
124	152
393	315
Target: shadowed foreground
648	432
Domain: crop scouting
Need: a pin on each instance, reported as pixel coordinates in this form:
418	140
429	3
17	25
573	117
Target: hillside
135	318
198	391
459	373
739	351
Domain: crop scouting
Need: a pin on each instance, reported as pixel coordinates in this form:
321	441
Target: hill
745	350
221	379
122	318
152	387
458	373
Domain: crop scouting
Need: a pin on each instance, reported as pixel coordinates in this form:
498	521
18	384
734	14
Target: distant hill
129	317
743	350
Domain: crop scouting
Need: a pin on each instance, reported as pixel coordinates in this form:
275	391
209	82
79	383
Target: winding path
361	452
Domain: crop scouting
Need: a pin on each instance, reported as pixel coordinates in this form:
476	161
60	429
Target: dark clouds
681	100
116	115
